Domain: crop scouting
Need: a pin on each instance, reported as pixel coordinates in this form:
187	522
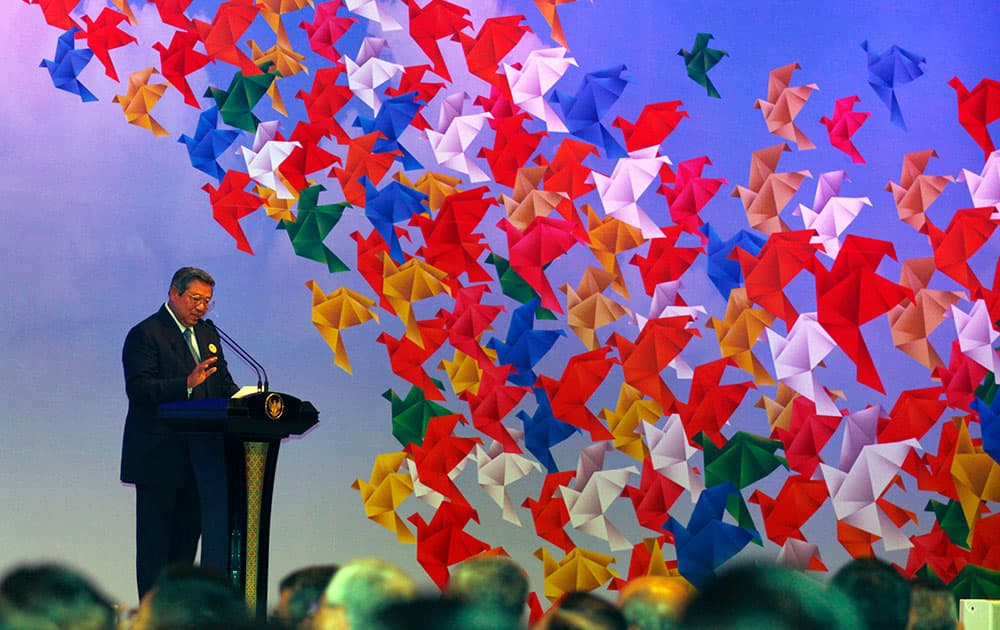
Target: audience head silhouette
491	582
767	598
358	591
879	592
186	596
53	597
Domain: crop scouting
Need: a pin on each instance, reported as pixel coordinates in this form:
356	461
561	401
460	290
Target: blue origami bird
584	110
888	71
524	346
724	272
67	65
393	204
989	420
392	120
208	143
542	430
707	541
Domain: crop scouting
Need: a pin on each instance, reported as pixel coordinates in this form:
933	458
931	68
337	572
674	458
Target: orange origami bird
140	98
783	104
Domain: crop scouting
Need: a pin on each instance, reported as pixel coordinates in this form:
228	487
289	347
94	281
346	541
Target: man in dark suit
170	356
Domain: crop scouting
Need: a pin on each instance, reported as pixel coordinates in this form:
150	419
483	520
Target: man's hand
201	372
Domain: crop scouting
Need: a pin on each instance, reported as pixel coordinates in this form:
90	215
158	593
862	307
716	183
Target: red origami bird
659	343
656	121
568	396
844	124
451	243
179	60
103	35
852	293
443	542
977	109
230	203
549	511
221	36
436	20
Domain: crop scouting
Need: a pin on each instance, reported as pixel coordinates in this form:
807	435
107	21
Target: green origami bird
700	60
411	416
312	225
236	104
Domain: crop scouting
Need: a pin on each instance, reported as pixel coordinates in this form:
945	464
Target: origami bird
524	345
706	541
208	143
333	312
700	60
180	59
436	20
783	104
583	110
221	36
385	491
104	35
977	109
844	124
312	225
569	394
66	65
916	191
231	202
889	70
139	99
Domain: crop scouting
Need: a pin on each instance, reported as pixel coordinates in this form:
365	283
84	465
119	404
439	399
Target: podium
234	445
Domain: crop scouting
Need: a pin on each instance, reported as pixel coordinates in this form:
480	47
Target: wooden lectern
244	433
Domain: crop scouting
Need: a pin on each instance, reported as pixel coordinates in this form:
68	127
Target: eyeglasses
205	301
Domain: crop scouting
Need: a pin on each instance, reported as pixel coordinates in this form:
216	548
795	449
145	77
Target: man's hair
51	596
581	610
490	581
768	597
307	585
188	596
364	586
932	606
184	276
435	613
879	592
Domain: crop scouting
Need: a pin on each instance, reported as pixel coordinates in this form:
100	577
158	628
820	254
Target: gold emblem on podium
274	406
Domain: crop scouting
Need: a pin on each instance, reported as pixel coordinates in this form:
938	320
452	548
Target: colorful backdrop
617	288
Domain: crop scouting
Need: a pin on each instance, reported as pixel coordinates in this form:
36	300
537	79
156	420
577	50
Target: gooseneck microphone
255	365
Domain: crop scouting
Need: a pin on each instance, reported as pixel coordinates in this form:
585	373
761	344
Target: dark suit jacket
157	362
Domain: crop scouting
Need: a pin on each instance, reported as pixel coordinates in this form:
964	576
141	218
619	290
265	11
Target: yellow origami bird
976	476
739	331
632	409
410	282
385	491
463	372
340	309
437	186
579	570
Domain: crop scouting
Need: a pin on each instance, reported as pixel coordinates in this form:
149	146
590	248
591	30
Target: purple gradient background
97	214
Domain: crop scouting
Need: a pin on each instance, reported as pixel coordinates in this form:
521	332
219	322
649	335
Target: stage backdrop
622	287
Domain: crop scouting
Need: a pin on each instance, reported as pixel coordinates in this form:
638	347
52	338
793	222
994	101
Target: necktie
189	338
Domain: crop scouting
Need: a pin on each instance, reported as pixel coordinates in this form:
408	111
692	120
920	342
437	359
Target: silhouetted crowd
488	592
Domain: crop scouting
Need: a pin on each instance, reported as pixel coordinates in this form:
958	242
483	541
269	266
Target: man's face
190	306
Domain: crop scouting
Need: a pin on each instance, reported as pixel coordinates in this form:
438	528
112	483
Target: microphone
247	358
